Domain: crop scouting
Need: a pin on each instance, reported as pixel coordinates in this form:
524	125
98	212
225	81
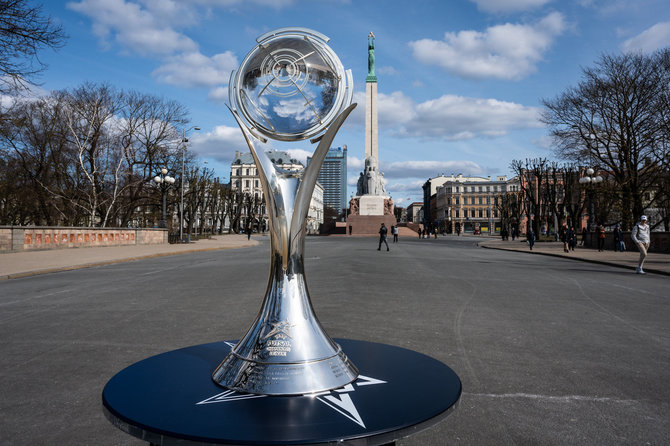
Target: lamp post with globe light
164	181
589	181
184	140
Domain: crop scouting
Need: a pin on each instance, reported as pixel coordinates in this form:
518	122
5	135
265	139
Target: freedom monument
371	206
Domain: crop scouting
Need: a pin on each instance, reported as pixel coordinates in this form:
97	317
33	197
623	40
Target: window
472	200
488	200
256	183
481	213
458	200
481	200
488	189
246	171
480	188
458	213
246	183
472	213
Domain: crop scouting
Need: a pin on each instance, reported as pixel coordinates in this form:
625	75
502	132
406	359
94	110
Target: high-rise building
333	178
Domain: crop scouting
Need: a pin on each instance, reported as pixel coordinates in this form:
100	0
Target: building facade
415	212
429	191
333	178
467	204
244	178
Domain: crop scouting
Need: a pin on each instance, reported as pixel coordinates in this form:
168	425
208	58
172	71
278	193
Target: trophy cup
290	87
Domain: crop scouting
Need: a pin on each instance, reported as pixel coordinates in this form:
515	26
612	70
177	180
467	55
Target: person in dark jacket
382	237
618	239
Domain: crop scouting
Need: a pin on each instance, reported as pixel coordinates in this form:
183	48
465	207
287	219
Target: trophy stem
286	351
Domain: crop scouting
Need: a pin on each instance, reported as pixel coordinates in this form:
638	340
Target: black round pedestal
170	398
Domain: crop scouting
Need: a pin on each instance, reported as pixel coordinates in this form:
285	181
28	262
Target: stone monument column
371	143
372	205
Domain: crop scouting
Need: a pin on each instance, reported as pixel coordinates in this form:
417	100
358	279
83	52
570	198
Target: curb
599	262
115	261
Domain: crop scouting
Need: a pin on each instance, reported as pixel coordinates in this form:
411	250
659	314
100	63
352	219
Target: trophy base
267	378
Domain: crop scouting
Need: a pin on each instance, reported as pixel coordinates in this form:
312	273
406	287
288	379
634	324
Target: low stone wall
660	241
28	238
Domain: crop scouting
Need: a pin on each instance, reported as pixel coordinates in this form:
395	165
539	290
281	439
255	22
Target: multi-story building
333	178
467	204
415	213
315	214
429	191
244	178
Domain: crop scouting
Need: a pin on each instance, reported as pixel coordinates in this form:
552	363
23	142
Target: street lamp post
164	181
181	205
589	181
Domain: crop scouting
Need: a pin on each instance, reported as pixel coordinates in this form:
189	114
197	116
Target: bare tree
87	155
615	119
24	31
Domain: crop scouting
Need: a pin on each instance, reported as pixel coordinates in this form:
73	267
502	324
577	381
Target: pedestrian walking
531	238
601	238
513	232
563	234
395	234
382	237
573	238
435	232
618	239
583	236
641	236
248	231
420	232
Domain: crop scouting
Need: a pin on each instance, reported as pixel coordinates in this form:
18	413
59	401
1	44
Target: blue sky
460	82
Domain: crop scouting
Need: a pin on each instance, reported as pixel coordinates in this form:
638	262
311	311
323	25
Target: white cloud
354	162
508	51
152	28
429	169
387	70
496	6
134	28
448	117
651	39
300	154
393	109
196	70
220	144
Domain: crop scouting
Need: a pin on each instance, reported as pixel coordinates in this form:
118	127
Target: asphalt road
549	350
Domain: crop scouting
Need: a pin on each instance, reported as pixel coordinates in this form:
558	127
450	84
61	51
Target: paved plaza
550	350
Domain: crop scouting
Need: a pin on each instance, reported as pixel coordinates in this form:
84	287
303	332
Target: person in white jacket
641	236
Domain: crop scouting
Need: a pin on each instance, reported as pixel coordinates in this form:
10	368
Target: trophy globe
290	87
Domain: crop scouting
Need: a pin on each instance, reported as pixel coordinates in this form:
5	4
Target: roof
276	156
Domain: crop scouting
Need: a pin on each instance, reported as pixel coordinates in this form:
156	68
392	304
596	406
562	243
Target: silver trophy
290	87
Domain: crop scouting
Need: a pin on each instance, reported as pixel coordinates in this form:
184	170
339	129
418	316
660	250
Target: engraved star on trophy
290	87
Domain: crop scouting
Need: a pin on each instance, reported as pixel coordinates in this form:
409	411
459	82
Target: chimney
237	155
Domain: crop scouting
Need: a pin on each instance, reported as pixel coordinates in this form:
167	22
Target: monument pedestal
369	224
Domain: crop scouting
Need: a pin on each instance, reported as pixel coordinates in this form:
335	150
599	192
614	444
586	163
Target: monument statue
372	204
371	55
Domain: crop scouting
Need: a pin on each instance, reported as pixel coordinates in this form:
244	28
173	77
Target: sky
460	82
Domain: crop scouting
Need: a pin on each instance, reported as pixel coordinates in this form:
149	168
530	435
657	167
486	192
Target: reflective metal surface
291	85
286	351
